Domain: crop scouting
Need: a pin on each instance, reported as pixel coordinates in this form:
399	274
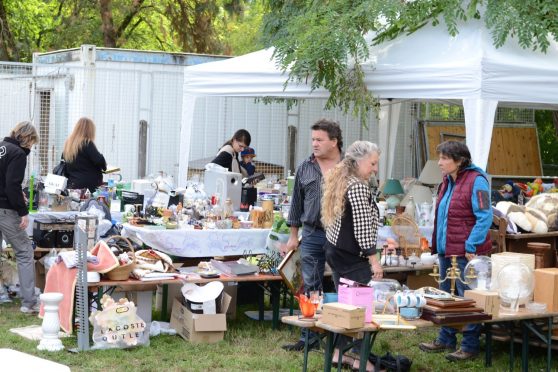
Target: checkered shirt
365	215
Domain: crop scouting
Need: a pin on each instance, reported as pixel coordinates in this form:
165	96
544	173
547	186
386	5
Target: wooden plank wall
513	151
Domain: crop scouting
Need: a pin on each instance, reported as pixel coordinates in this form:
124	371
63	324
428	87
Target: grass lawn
248	346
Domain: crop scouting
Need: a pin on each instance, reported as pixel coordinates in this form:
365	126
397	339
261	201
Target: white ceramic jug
424	214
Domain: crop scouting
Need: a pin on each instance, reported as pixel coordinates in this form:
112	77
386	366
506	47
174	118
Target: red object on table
306	306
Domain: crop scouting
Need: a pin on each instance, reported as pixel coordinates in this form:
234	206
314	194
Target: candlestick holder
453	273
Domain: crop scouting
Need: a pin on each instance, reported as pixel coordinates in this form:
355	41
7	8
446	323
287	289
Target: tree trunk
8	49
109	33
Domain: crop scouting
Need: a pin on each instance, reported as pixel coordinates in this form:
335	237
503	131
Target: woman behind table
14	217
227	157
84	163
461	228
351	218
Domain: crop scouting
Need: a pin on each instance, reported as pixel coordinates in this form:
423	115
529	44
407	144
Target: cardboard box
207	328
488	300
358	296
546	288
231	288
40	276
343	315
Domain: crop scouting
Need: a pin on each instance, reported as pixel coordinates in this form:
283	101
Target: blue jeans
471	332
312	258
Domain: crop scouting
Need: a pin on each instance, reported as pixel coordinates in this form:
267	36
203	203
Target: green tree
241	34
199	26
8	50
322	42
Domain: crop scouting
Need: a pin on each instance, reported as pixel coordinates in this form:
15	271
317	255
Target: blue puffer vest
461	218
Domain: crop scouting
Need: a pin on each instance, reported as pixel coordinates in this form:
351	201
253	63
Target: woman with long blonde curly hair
351	218
84	163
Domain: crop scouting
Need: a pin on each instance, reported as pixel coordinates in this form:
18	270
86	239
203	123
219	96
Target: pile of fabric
153	264
539	215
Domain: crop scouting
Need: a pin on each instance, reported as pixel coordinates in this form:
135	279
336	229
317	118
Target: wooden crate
514	150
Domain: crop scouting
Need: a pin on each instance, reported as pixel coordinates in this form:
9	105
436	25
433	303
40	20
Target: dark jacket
228	158
86	171
249	167
13	160
461	218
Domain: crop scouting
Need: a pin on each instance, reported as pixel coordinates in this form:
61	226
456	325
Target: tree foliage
199	26
547	128
322	42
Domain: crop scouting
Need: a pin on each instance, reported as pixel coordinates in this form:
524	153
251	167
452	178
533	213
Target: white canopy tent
428	64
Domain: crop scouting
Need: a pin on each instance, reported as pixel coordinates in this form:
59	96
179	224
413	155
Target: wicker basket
408	233
122	272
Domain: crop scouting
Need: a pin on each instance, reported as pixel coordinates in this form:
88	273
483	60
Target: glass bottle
410	208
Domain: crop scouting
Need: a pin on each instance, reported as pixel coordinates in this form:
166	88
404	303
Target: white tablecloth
208	243
201	243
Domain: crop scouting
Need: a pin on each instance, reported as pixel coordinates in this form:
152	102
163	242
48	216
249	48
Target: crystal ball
478	273
516	285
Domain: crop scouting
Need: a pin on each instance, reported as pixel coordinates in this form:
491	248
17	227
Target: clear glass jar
228	208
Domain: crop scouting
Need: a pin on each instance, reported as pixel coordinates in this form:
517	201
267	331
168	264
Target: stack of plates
536	307
499	260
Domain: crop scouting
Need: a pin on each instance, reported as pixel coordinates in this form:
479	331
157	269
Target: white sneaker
31	310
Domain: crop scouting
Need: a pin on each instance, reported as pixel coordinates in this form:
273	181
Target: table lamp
421	194
391	189
431	176
431	173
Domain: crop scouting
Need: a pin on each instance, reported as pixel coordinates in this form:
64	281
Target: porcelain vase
51	322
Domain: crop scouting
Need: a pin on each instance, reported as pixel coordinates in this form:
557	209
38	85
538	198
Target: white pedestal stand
51	322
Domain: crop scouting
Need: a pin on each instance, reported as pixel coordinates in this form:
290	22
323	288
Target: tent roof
428	64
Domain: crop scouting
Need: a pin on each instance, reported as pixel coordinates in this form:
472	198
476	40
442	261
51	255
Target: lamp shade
392	187
431	173
421	194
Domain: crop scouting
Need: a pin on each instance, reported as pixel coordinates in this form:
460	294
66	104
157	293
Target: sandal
371	365
346	361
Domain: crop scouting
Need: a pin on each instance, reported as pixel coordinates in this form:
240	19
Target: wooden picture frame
452	137
291	271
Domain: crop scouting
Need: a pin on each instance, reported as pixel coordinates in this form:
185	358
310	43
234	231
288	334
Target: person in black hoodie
84	163
14	217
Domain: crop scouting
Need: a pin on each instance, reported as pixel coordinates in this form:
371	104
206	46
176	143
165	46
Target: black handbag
399	363
60	169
